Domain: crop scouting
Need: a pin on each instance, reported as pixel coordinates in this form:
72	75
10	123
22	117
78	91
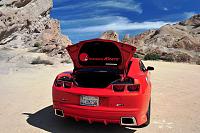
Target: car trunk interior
95	78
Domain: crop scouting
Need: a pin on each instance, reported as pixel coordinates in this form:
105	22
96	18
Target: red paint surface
135	104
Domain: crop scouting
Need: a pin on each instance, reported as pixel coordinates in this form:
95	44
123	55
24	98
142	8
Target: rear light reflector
127	87
118	88
135	87
67	84
63	82
58	83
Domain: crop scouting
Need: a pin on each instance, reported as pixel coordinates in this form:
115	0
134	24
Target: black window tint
129	65
142	66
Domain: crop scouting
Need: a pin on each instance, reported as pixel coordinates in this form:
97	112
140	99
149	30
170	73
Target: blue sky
86	19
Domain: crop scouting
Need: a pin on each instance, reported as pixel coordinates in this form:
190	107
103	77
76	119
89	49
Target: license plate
89	101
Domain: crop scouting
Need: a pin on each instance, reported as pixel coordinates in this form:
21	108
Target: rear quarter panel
142	78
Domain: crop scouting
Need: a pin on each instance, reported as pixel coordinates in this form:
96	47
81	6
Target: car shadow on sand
46	120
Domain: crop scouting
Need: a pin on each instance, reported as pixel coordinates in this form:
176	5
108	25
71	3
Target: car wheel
148	116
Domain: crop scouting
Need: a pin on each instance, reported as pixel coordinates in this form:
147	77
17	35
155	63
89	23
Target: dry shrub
65	61
198	62
182	57
168	57
37	44
41	61
176	57
152	56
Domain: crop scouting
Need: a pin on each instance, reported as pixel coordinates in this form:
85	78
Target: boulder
23	23
110	35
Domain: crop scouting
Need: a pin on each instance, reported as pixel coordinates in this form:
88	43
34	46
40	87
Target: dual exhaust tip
125	121
128	121
59	112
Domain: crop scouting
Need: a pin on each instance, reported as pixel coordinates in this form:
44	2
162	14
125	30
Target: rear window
100	54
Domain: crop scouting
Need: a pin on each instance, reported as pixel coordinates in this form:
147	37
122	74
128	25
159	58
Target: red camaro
106	85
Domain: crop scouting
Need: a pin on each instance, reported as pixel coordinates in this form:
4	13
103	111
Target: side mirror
149	68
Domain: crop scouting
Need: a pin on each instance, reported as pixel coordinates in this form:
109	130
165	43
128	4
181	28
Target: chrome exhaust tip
59	112
128	121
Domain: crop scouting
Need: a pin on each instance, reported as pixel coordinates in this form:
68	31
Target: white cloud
82	15
120	24
129	5
165	9
97	19
122	4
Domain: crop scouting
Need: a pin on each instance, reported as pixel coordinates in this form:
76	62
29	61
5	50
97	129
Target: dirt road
25	101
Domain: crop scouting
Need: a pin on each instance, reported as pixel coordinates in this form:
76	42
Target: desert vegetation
38	60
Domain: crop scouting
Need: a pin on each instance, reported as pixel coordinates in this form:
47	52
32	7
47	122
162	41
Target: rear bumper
89	115
100	114
135	105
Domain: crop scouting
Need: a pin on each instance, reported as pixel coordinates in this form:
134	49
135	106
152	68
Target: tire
148	116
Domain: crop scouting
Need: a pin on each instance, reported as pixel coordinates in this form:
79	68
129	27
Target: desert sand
25	99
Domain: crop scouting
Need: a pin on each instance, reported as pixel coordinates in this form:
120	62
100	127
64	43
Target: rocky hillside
179	42
26	24
110	35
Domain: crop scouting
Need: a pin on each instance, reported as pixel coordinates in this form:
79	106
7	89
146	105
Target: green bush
152	56
169	57
198	62
40	61
136	55
65	61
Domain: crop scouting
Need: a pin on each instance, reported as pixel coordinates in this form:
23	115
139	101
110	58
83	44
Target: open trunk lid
101	53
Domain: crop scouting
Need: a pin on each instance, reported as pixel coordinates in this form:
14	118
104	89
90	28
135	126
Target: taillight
127	87
134	87
67	84
118	88
58	83
63	82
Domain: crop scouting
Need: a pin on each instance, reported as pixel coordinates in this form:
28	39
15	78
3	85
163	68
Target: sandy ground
25	101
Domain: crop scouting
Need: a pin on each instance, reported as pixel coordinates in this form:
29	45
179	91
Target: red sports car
106	85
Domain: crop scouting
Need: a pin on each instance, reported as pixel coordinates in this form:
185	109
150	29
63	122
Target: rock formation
110	35
178	42
27	24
